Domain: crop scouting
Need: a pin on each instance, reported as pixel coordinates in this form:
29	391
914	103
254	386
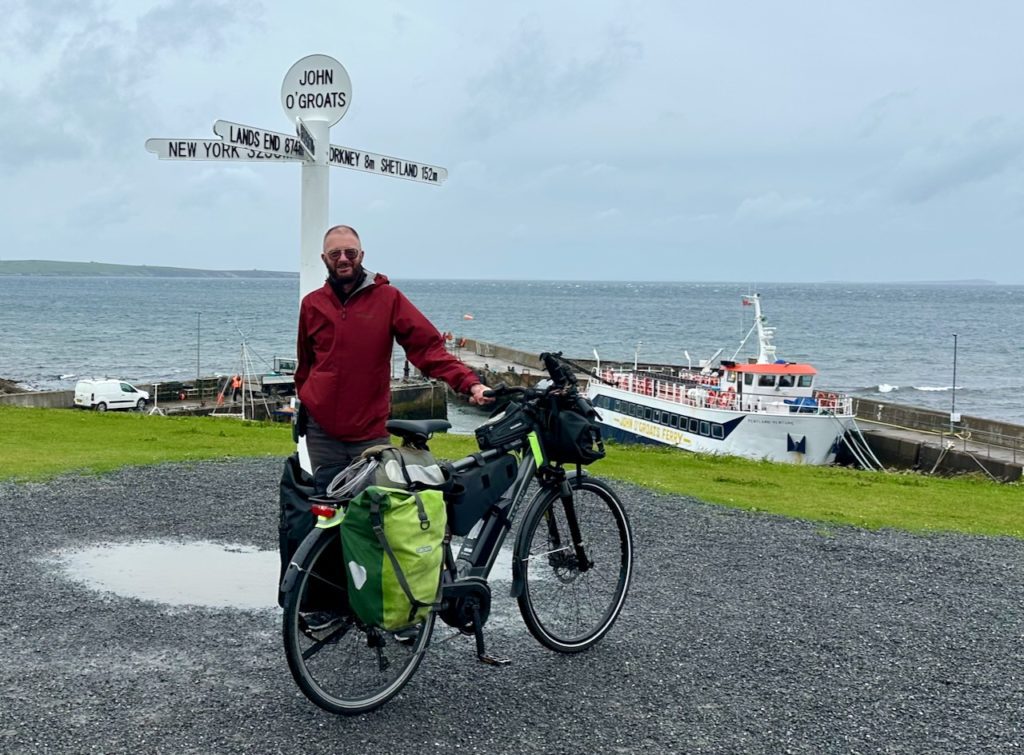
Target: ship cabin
789	382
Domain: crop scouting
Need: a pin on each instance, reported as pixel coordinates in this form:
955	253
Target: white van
109	394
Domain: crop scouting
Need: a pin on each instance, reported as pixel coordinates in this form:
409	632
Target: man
346	333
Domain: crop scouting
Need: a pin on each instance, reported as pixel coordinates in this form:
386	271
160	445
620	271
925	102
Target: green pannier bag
392	540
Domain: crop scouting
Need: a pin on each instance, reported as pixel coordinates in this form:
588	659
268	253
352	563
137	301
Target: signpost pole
315	209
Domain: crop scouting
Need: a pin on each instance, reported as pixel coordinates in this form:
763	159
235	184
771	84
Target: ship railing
676	392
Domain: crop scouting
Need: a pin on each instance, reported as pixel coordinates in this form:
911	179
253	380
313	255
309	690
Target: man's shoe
406	636
320	621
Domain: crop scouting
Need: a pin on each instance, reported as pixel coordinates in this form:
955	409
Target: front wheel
577	561
338	662
141	404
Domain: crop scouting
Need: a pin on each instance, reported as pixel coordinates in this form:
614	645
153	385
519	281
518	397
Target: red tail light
323	509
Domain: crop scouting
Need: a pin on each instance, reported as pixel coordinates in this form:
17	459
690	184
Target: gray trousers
327	451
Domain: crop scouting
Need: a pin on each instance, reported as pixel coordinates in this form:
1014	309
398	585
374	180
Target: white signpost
315	95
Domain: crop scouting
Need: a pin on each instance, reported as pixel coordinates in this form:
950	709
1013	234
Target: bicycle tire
567	608
348	668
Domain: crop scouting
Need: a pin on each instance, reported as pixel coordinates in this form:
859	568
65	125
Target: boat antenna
766	349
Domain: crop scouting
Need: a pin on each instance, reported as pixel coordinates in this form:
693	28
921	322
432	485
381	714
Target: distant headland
105	270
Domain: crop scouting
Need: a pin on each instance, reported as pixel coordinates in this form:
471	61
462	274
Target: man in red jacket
346	334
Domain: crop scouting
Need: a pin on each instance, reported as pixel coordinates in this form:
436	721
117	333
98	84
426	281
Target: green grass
37	444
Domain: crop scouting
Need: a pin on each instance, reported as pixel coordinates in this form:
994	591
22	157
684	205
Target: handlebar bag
392	541
570	438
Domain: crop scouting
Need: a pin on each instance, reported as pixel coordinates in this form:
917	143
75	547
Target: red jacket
343	376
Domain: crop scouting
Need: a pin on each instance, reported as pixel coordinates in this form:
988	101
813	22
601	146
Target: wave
888	388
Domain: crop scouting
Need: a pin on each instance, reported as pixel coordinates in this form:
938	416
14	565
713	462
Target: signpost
315	94
306	141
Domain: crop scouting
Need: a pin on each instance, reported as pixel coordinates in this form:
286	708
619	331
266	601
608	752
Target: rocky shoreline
9	386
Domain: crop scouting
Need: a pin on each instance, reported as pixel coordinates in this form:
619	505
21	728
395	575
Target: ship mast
766	349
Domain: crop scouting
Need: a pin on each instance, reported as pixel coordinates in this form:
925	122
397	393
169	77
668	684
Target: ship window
748	378
786	381
705	428
730	376
673	420
806	380
717	431
766	380
647	412
693	425
657	416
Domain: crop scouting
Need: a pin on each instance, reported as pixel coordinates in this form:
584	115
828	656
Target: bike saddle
416	429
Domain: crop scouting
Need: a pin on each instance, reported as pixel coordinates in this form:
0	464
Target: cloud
982	152
36	25
612	213
184	23
772	207
93	89
880	110
530	77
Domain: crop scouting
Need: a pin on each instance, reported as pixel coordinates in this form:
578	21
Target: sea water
891	342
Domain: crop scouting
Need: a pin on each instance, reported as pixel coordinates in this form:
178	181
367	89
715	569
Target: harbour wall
982	430
409	400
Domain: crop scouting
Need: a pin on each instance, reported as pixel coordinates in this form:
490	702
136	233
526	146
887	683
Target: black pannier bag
475	490
296	520
570	438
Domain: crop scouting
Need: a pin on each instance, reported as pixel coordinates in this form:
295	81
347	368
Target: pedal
492	661
481	651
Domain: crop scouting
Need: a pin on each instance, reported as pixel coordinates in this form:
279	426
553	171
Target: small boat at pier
764	408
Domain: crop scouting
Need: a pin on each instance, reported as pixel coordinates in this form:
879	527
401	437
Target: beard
354	273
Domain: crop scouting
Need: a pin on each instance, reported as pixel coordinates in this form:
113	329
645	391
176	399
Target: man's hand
477	397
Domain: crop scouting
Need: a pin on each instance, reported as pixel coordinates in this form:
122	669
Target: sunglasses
350	254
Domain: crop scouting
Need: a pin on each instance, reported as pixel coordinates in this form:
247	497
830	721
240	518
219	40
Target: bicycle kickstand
481	652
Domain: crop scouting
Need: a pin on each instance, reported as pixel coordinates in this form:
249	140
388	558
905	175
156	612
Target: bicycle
572	559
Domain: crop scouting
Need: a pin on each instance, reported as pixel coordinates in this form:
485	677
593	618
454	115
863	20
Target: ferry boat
764	408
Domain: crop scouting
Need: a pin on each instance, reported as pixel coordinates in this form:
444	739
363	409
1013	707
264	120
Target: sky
797	141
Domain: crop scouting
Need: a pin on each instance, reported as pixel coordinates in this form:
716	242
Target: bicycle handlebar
563	381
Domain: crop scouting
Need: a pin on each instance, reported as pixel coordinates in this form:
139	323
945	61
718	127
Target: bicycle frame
480	548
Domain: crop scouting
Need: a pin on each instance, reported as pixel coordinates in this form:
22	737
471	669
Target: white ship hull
774	433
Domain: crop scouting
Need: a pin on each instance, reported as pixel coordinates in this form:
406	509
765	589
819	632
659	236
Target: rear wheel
101	406
577	560
339	663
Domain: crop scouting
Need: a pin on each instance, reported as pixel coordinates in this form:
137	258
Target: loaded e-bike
572	557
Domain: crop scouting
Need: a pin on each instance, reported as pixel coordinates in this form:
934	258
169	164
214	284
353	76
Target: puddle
213	575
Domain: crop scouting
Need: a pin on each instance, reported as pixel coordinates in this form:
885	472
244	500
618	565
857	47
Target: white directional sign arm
210	149
251	137
384	165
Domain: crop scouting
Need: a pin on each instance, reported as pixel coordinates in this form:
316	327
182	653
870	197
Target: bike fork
565	494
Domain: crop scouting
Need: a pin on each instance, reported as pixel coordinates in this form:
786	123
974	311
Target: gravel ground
742	633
